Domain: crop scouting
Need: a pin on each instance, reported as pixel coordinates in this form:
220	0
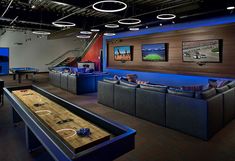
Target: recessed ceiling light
95	30
41	33
129	21
112	25
173	22
134	29
160	24
109	34
33	6
124	6
63	24
231	8
60	3
83	36
86	32
166	16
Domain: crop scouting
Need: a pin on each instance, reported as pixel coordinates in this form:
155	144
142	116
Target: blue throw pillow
129	84
154	87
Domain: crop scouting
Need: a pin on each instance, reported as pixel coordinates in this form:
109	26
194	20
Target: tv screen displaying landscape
154	52
202	51
123	53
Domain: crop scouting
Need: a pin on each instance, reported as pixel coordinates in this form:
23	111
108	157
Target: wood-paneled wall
175	63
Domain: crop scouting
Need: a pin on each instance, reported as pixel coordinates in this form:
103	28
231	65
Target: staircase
71	57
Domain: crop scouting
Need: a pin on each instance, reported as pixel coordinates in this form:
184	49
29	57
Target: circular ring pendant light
129	21
124	6
166	16
41	33
109	34
83	36
86	32
134	29
63	24
112	26
95	30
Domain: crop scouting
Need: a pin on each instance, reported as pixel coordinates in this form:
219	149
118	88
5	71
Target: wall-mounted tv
202	51
154	52
123	53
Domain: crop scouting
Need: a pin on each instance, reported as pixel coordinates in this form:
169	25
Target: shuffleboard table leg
19	78
32	142
15	117
14	76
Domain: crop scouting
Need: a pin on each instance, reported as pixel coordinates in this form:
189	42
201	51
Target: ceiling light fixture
83	36
129	21
33	6
109	34
95	30
166	16
124	6
134	29
60	3
231	8
41	32
112	26
86	32
63	24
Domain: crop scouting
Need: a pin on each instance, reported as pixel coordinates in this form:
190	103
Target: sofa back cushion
193	88
154	87
222	89
231	84
180	92
111	80
206	94
129	84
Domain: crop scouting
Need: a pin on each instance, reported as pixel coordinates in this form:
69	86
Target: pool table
22	71
56	124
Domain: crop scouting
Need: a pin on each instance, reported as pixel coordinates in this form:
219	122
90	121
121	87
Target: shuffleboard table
22	71
56	124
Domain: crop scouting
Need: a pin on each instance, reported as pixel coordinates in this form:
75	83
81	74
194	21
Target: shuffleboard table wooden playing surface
55	123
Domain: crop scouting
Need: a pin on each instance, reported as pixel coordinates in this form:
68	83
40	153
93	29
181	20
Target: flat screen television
123	53
202	51
154	52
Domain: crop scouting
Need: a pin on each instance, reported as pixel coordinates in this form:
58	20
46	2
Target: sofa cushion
193	88
231	84
129	84
206	94
222	89
110	80
180	92
154	87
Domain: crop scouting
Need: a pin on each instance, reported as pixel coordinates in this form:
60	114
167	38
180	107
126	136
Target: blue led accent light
4	61
162	78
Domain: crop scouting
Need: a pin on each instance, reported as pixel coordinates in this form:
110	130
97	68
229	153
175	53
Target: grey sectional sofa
201	118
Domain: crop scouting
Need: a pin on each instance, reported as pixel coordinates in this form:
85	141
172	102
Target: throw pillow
212	83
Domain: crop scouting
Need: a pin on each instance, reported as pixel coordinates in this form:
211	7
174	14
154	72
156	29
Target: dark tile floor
153	142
